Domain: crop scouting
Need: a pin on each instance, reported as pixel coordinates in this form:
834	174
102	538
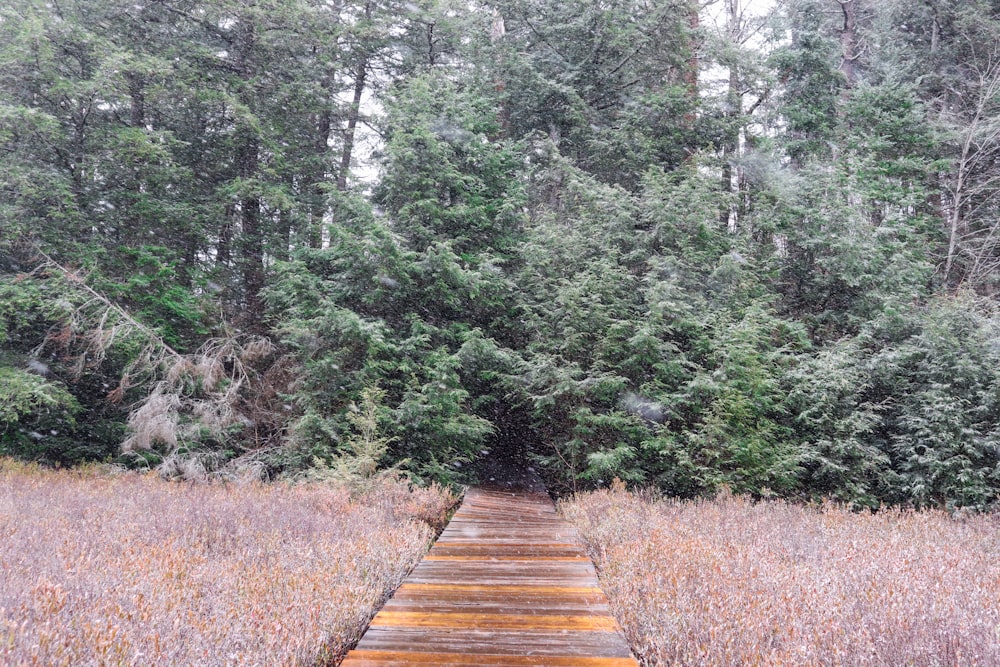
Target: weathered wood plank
406	658
480	621
507	583
466	641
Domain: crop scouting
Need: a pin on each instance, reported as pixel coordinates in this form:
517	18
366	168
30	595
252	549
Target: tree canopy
676	243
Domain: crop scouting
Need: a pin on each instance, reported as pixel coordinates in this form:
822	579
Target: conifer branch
76	279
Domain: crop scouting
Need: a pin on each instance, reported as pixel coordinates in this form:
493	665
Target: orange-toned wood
518	557
467	589
396	659
507	584
421	619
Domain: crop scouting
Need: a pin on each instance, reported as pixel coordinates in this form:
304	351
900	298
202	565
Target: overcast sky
754	7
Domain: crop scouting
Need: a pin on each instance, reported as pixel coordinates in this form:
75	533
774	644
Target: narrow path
507	583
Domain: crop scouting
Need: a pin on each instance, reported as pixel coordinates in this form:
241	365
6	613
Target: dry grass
102	569
730	582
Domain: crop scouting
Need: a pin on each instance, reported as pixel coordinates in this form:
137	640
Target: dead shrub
127	569
733	582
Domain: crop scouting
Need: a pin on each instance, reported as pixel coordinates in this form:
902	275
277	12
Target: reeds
102	569
731	582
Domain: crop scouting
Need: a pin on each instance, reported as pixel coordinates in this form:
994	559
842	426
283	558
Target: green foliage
35	414
844	454
609	83
944	425
27	308
434	421
735	407
357	464
368	311
446	176
155	293
839	268
644	373
33	307
24	398
907	411
576	251
812	87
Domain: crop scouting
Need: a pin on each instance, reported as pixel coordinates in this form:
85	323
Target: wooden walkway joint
507	583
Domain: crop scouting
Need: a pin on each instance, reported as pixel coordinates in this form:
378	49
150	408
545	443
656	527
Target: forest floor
733	582
126	569
508	470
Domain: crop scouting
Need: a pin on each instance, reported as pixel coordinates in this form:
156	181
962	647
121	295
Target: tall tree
739	44
609	83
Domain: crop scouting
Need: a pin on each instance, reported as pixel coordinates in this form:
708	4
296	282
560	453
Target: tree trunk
224	247
497	32
352	123
137	97
283	234
848	42
317	196
252	237
955	219
935	32
354	114
76	166
734	110
251	244
694	63
954	229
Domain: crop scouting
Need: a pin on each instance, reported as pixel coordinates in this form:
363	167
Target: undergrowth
731	582
117	568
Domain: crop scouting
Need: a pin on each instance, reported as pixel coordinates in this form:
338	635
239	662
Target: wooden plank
494	599
520	558
455	572
406	658
509	550
443	543
498	606
468	589
420	619
507	583
466	641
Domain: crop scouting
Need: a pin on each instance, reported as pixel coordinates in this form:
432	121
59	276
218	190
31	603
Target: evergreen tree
580	249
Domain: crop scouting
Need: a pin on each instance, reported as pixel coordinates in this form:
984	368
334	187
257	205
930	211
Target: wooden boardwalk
507	583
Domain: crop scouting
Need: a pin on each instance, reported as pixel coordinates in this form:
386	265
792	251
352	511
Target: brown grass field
101	569
730	583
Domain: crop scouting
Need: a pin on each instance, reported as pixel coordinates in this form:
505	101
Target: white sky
714	9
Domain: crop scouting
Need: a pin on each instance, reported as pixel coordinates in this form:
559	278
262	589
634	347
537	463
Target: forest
689	245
